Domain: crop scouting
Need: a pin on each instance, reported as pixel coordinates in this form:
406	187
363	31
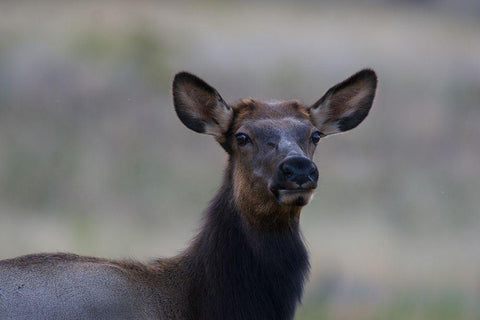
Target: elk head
271	144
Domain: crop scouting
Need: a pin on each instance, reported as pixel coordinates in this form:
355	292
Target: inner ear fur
199	106
345	105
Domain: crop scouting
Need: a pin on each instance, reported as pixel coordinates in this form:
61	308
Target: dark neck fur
239	272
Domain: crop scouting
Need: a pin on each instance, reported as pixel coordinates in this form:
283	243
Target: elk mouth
292	197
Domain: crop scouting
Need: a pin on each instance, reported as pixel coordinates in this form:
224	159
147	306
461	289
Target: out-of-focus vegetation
93	159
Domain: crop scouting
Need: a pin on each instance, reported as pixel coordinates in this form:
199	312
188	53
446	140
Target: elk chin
293	197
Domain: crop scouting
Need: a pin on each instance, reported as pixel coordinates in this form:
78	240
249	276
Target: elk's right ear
199	106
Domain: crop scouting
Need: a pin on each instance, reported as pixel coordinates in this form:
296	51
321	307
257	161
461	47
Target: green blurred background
94	161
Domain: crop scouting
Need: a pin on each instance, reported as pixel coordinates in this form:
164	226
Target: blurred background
94	161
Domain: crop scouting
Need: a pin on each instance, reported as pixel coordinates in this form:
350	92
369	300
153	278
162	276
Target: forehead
271	116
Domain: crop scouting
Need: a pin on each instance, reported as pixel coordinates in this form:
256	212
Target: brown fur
251	109
257	203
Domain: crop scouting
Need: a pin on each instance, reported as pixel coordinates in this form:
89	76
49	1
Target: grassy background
93	159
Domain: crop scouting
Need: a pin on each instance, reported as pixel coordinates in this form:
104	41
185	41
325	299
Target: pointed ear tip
186	78
183	75
369	74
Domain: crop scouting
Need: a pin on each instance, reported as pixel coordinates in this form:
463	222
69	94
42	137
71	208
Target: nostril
287	170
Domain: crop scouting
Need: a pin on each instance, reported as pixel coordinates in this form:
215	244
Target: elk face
271	144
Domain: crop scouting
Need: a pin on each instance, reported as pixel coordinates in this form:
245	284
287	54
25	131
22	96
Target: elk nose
299	171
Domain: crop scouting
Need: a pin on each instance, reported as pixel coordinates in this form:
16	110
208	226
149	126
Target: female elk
248	261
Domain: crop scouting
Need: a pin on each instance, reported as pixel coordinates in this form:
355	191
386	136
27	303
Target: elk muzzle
294	181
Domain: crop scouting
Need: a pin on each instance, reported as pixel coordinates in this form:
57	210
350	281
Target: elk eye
242	139
316	136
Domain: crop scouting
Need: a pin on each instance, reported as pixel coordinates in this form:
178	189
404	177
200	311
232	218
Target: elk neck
240	269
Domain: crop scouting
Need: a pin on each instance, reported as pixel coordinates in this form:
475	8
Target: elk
248	261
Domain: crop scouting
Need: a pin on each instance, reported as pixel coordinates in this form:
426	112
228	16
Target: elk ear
346	104
199	106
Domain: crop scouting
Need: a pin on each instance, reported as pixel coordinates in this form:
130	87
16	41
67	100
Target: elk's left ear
346	104
199	106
